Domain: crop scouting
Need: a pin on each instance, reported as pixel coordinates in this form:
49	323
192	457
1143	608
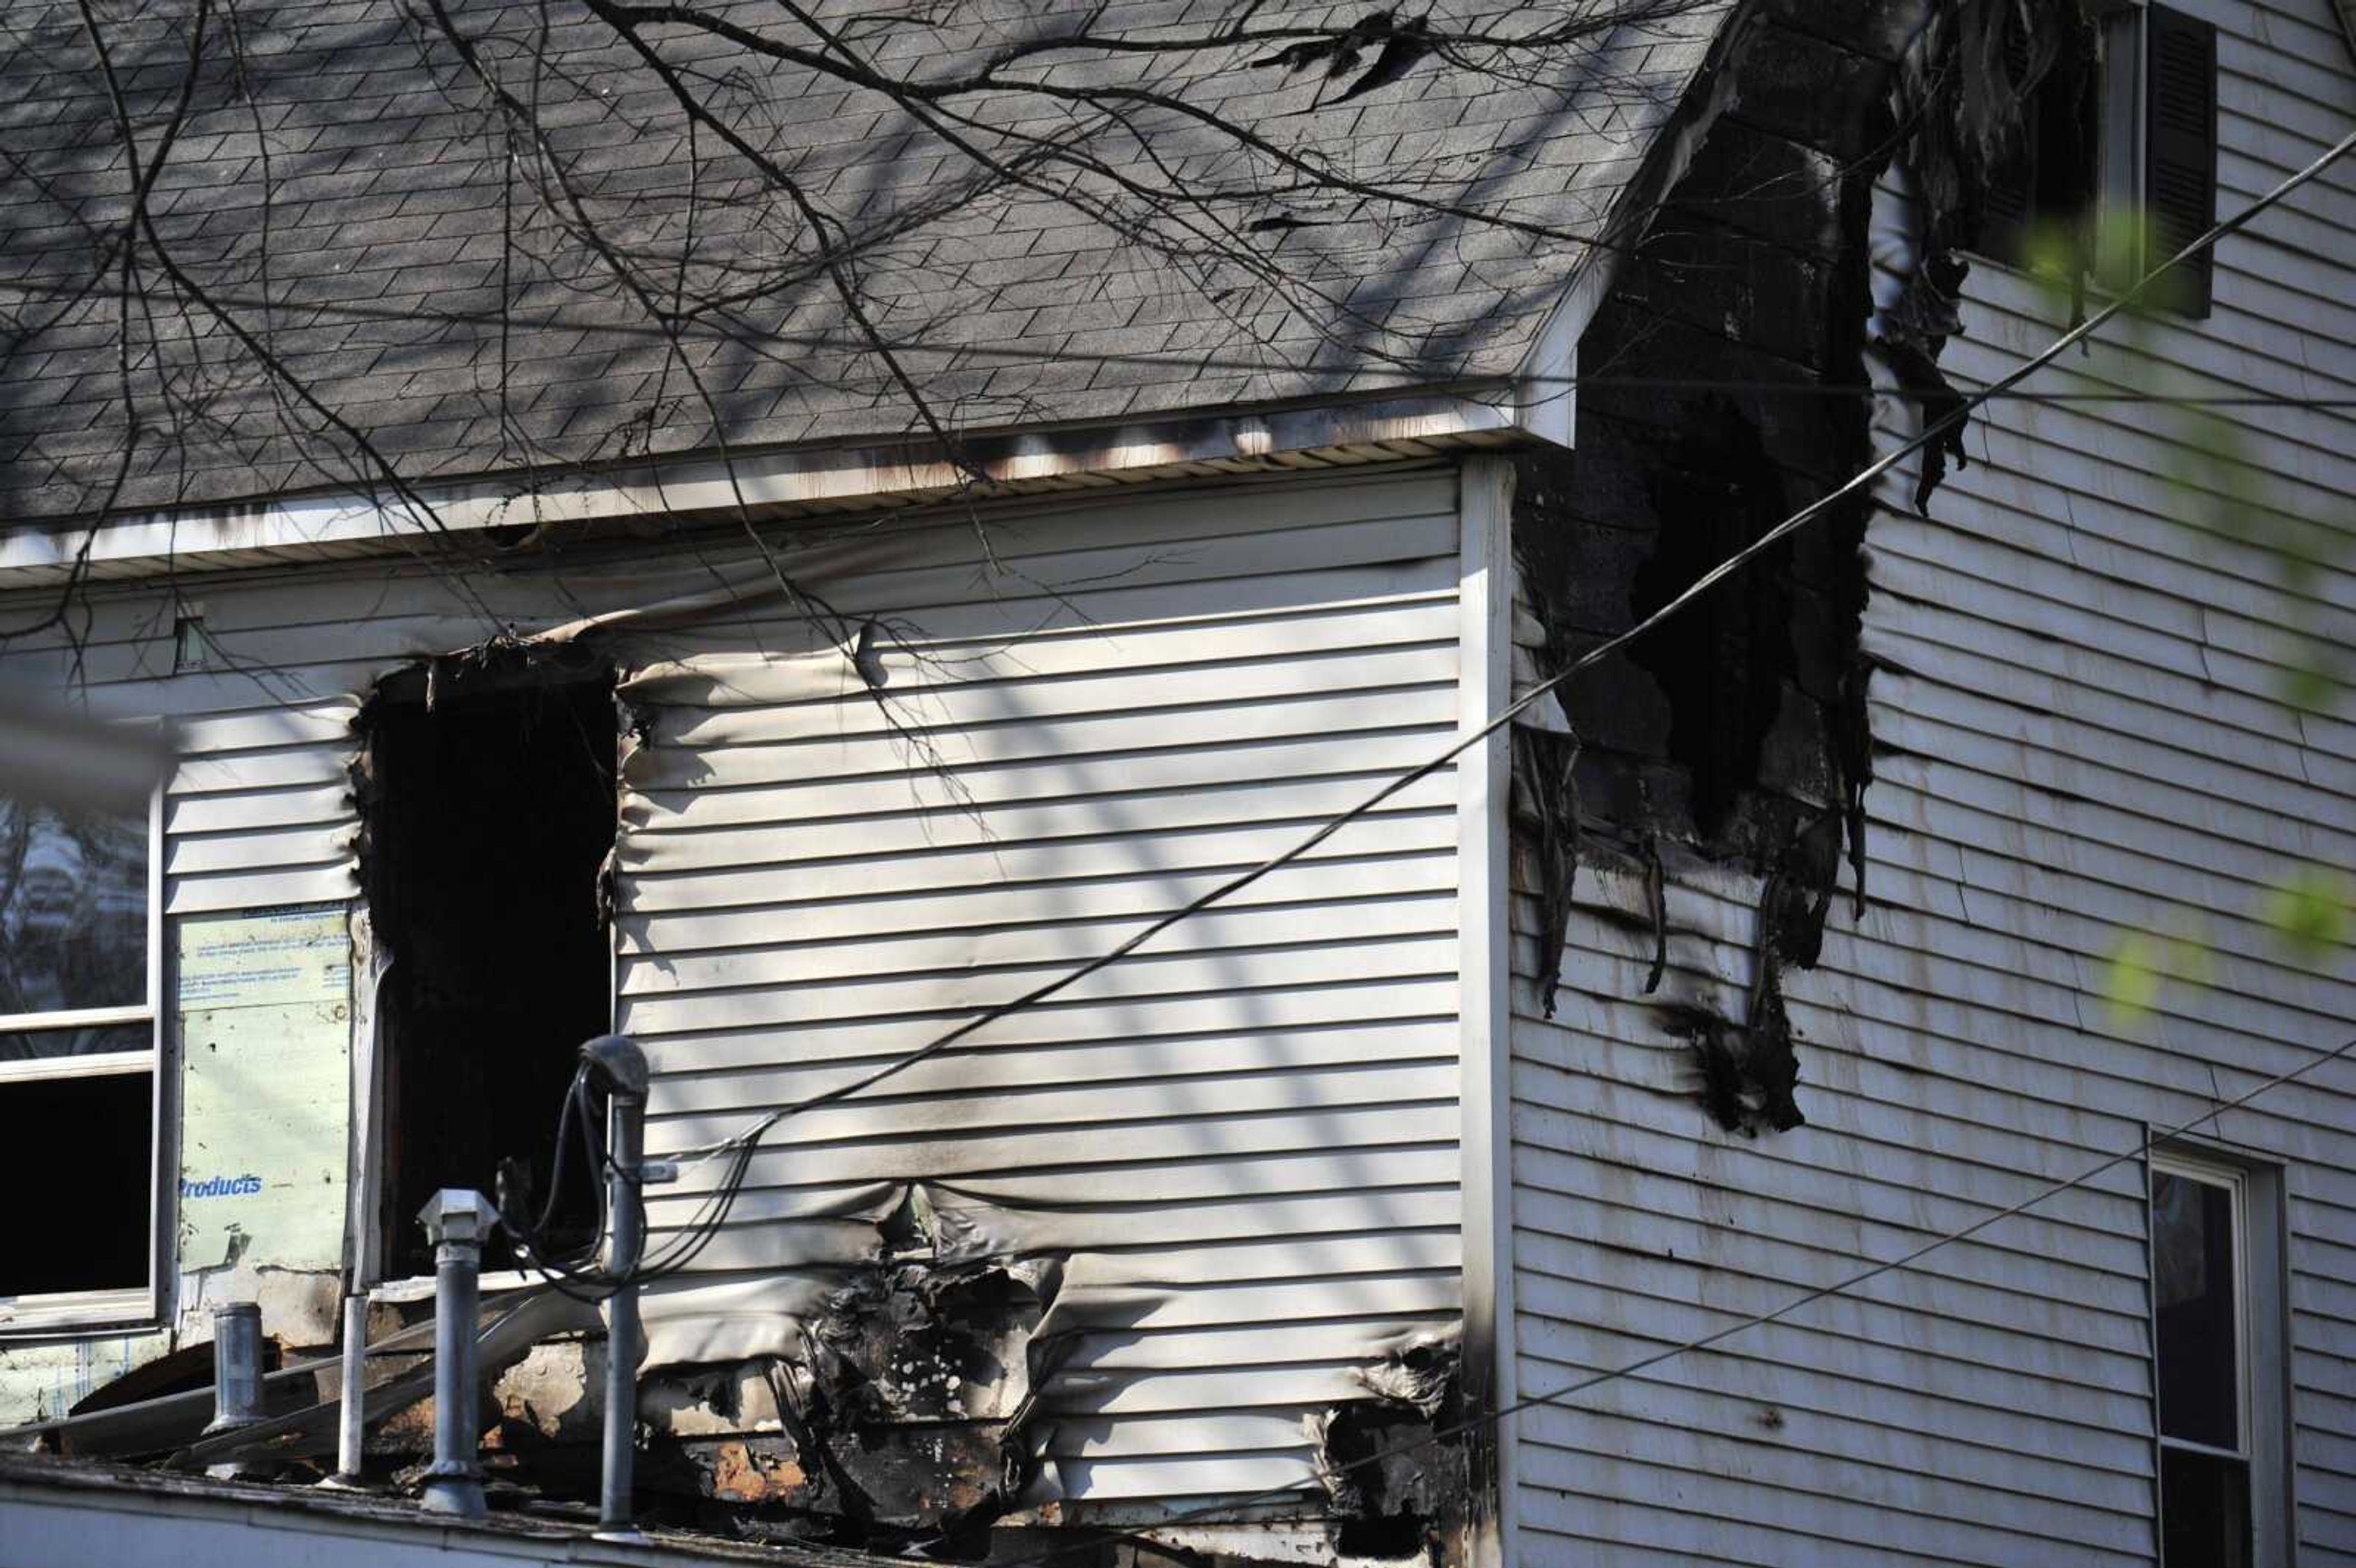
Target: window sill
81	1312
420	1287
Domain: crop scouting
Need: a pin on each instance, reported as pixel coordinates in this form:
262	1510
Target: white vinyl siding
2078	733
1245	1136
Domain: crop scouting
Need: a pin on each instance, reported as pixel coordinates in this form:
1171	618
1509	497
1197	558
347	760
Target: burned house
535	660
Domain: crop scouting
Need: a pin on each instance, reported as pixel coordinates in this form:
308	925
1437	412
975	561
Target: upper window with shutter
2121	165
2180	146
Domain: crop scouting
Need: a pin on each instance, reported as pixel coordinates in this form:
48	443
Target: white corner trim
1484	1022
1546	386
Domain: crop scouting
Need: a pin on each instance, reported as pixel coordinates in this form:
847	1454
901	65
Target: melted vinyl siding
1246	1134
2080	733
1245	1137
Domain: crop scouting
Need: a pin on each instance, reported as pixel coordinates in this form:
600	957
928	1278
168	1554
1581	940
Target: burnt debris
903	1419
1396	1465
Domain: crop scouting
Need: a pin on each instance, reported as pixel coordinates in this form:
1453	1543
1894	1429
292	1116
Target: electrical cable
744	1142
1931	433
1733	563
967	355
576	1274
1595	1380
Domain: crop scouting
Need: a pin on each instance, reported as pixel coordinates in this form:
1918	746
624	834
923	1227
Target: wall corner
1483	773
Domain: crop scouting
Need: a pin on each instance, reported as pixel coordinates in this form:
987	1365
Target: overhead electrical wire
1227	1506
745	1142
1546	688
1931	432
1013	354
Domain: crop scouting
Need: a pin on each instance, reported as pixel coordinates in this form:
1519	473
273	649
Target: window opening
2117	153
2216	1297
78	1054
491	811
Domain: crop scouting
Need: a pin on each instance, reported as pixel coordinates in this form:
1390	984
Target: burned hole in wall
487	796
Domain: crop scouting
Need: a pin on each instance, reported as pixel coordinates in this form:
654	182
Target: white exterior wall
2079	734
1245	1137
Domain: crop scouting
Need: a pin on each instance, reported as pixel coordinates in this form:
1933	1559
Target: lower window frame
2262	1337
67	1313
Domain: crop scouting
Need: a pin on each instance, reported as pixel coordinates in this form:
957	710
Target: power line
966	354
1931	433
1701	1342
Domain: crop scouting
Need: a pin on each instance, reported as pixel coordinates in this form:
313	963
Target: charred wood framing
485	785
1737	734
1398	1467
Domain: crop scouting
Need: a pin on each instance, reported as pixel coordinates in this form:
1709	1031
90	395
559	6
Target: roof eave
781	483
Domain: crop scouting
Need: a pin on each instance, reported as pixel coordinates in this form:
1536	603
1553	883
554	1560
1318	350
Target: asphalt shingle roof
359	210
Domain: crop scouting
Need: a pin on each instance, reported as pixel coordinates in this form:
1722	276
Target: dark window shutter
2010	202
2180	176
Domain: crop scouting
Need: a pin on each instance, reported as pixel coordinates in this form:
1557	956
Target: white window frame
128	1306
2124	119
2122	115
2260	1337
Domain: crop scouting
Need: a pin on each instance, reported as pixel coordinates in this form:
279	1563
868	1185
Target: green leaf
2131	979
2310	912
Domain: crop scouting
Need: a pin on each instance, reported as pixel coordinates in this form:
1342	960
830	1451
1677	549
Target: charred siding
1239	1149
2078	728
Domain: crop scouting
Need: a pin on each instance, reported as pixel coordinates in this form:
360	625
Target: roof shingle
424	271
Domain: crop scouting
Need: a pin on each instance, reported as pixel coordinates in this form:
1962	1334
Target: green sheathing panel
265	1029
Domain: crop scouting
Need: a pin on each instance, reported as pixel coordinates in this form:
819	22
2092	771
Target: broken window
2116	166
78	1054
489	808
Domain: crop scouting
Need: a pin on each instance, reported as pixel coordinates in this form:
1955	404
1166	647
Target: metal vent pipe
619	1067
237	1375
457	1221
351	1418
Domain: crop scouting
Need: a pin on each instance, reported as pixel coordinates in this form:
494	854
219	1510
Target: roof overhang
766	485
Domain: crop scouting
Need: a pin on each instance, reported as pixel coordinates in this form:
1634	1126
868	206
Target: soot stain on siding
905	1421
1737	733
913	1416
1399	1466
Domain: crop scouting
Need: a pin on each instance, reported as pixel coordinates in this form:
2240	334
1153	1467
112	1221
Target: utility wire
1018	354
1595	1380
1594	656
1856	483
743	1143
1229	1506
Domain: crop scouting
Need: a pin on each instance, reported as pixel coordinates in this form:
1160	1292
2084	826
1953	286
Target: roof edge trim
1547	382
703	484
